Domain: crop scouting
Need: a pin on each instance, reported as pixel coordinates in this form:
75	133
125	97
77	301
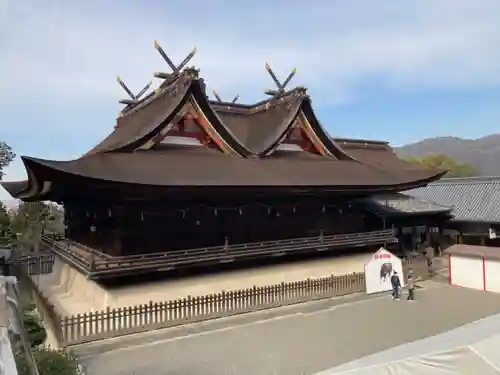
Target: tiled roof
398	203
472	198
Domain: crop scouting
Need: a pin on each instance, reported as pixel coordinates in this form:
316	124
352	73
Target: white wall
466	272
492	270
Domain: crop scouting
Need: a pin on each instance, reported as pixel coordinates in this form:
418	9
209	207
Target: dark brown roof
146	117
381	156
207	167
474	251
142	123
333	147
15	187
261	127
250	131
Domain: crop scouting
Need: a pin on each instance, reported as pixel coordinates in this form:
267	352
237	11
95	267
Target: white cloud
75	50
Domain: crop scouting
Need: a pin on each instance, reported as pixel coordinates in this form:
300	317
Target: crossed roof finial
176	70
281	86
134	99
221	101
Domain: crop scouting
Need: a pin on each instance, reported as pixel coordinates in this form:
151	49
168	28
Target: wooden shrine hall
183	180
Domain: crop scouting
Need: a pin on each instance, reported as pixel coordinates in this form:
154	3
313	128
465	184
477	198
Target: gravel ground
303	339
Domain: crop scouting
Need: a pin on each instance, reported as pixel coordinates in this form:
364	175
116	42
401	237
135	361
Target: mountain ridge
482	153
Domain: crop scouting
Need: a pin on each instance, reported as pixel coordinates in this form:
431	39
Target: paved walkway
303	339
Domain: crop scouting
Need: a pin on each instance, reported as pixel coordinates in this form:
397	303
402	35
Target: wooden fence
37	264
109	323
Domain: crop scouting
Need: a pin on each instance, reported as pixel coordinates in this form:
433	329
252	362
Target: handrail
215	254
251	245
110	267
264	247
231	249
241	245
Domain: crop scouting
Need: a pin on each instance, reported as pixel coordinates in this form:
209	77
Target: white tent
379	269
463	351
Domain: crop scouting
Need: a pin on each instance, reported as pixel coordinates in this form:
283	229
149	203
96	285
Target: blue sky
391	70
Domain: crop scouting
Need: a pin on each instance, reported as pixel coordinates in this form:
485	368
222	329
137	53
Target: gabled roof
475	199
142	123
261	126
245	134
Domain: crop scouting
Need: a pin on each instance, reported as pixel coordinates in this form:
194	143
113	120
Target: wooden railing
36	264
97	264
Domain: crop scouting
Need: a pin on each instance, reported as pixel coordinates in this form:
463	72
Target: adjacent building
475	208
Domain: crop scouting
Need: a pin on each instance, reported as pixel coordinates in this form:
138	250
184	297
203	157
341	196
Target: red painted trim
301	135
205	125
308	133
449	269
203	134
484	274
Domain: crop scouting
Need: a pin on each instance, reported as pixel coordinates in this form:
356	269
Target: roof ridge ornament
134	99
176	70
281	86
237	96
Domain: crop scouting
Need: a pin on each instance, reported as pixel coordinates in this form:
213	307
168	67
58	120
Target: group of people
396	286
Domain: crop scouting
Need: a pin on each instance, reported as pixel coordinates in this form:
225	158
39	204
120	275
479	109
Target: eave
333	148
202	171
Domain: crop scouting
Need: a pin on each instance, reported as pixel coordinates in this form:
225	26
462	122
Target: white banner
379	269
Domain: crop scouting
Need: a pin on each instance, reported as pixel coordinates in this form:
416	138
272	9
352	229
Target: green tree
5	228
27	224
454	168
49	362
55	220
6	156
36	333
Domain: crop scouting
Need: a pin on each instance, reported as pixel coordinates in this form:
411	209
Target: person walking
411	287
396	284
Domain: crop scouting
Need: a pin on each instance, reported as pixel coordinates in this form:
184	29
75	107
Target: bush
36	333
49	362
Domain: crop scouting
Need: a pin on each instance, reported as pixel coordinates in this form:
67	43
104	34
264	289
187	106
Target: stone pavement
303	339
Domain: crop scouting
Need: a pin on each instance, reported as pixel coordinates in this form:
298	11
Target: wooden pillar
116	248
428	240
460	237
399	236
482	240
440	239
